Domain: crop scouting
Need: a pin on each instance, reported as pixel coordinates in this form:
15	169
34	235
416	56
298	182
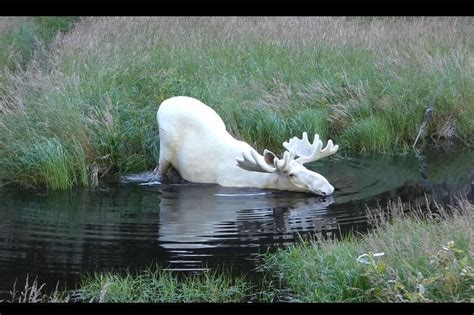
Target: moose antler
268	163
283	163
307	152
255	162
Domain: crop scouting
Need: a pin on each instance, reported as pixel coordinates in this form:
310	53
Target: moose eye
292	175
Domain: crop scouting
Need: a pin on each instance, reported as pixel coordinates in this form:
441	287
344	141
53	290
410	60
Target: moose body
194	141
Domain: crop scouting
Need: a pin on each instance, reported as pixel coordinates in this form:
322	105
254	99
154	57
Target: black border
227	9
334	308
240	8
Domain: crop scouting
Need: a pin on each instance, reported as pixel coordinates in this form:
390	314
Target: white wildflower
365	258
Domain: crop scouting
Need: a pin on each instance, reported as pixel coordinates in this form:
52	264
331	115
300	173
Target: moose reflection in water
196	216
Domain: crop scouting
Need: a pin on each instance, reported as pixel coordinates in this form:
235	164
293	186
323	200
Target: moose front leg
167	173
162	169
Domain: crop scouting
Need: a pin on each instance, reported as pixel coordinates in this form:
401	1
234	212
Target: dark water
59	236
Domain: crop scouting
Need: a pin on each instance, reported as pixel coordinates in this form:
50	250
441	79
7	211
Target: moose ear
269	157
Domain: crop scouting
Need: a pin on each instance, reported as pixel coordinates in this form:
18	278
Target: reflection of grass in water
446	174
452	170
365	177
450	167
425	259
67	212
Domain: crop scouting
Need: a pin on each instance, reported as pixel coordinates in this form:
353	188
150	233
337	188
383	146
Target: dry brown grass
8	22
112	33
111	36
34	293
277	98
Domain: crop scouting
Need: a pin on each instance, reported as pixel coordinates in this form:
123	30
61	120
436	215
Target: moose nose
329	191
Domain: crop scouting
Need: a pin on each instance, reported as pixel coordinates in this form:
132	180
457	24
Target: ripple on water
192	227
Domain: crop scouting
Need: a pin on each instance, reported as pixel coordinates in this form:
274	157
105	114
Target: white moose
194	140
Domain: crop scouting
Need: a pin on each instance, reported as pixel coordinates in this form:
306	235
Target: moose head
291	174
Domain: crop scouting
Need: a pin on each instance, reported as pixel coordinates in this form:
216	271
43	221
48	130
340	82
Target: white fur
194	140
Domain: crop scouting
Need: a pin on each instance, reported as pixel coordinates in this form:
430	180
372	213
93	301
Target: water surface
60	236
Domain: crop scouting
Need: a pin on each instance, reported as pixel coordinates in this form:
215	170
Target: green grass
371	134
20	41
319	275
424	259
157	286
99	85
47	163
151	285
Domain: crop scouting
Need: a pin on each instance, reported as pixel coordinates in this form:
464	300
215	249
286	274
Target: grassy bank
86	107
155	286
152	285
412	257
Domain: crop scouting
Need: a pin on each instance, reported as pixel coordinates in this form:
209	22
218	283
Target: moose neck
262	180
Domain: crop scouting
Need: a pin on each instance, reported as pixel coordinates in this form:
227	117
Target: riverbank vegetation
79	105
152	285
410	256
157	286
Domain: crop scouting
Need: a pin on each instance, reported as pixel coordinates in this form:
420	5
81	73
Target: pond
128	225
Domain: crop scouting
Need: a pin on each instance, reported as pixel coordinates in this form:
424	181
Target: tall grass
365	83
47	163
20	37
152	285
413	256
35	293
157	286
